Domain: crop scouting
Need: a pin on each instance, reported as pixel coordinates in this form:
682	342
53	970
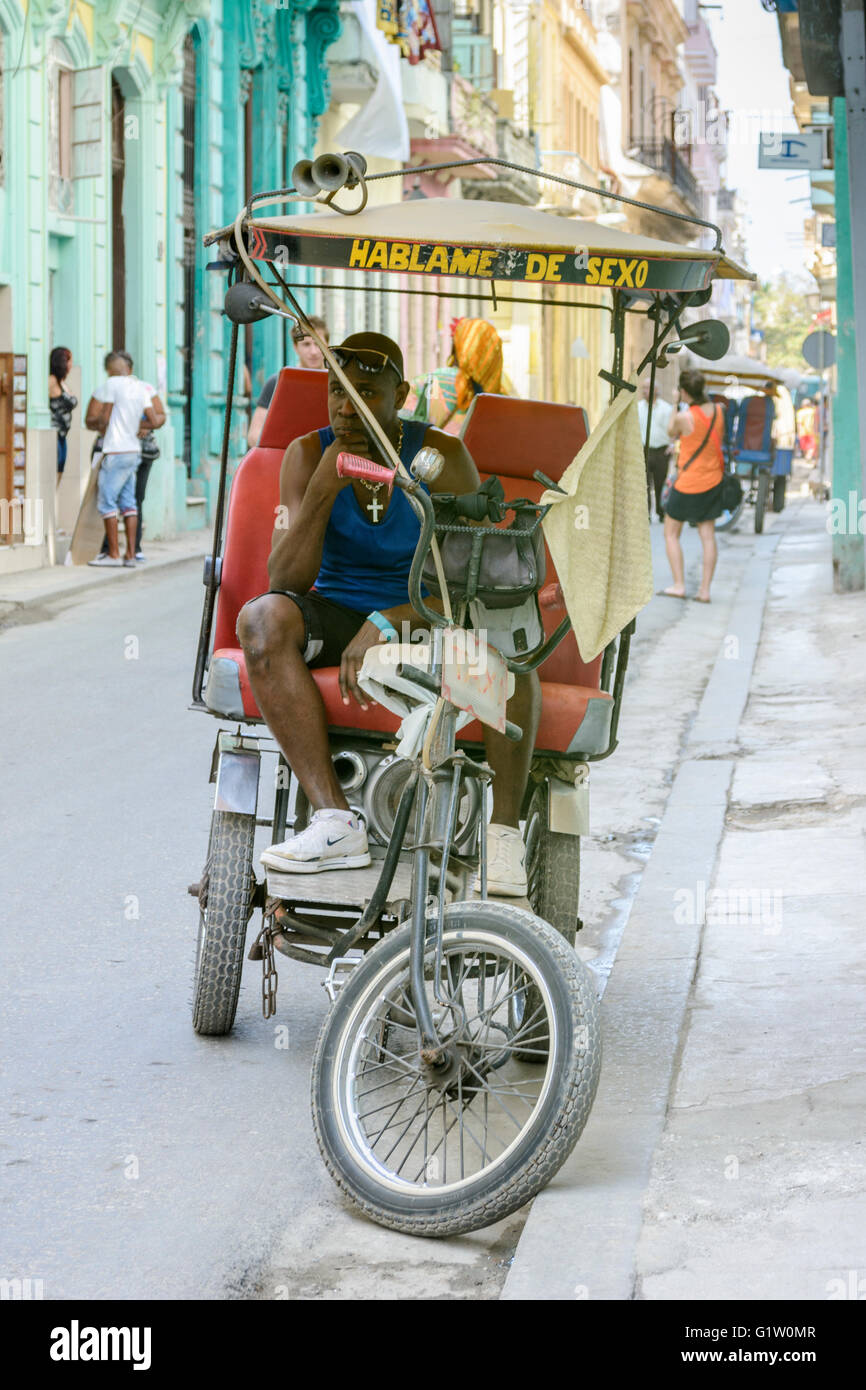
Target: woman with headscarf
443	397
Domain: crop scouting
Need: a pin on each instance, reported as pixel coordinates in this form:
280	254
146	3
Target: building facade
129	129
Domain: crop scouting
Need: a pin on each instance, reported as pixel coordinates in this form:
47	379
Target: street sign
819	350
794	149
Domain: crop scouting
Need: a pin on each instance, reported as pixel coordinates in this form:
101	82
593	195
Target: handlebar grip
355	466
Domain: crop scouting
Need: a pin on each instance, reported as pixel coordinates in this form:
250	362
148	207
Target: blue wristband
385	626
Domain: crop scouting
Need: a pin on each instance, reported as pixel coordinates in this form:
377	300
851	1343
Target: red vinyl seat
504	435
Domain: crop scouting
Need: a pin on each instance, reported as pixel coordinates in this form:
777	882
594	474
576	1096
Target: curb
38	605
581	1235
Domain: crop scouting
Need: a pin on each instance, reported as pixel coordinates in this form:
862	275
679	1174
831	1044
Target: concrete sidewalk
34	594
724	1157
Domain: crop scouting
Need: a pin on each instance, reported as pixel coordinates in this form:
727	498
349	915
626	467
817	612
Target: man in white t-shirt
115	410
657	452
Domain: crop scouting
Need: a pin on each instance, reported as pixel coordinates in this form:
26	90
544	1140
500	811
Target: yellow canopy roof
485	240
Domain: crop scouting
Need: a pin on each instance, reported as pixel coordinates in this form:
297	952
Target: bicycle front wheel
439	1153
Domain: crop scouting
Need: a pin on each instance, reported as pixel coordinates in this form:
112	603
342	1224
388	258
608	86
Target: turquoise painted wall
60	266
848	557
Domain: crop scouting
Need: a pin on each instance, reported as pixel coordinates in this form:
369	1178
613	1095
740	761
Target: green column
848	557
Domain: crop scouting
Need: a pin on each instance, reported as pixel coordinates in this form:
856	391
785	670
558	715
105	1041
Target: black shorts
695	506
329	627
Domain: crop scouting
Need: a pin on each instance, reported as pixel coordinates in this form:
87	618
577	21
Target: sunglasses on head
368	359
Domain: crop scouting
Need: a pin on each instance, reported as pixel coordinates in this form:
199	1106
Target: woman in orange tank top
696	496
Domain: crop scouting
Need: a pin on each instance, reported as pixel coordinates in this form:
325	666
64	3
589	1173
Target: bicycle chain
270	979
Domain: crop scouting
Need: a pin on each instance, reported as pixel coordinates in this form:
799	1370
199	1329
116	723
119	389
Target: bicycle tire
224	912
761	501
540	1148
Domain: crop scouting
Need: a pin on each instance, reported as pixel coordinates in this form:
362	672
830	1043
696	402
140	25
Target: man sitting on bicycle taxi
339	577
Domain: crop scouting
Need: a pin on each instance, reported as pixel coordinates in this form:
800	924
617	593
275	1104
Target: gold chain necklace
374	507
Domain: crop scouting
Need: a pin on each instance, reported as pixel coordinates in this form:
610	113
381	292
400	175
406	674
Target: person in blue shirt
339	569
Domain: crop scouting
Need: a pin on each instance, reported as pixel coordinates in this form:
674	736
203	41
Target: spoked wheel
225	892
441	1152
761	501
779	485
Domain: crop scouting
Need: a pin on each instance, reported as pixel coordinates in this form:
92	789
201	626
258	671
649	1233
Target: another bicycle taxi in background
458	1063
752	450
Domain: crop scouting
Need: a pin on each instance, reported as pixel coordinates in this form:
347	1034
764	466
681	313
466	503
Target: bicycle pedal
338	974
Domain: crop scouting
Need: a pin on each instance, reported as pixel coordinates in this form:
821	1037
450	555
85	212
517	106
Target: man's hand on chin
367	636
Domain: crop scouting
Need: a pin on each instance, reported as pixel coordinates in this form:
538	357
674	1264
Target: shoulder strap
713	417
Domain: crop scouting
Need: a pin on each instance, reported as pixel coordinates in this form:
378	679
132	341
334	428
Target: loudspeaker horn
331	171
302	178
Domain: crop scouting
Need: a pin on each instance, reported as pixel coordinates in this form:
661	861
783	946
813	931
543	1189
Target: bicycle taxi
736	382
459	1059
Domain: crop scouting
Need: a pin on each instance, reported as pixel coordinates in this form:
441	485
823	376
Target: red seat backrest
299	405
512	438
755	434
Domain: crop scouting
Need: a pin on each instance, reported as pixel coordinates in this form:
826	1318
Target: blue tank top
366	566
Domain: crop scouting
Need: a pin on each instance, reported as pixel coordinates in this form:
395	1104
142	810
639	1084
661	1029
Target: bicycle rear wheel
438	1154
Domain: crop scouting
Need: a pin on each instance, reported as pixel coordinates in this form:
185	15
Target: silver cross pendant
375	507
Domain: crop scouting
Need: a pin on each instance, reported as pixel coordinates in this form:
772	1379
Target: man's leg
110	523
660	472
511	761
130	523
141	478
506	866
272	632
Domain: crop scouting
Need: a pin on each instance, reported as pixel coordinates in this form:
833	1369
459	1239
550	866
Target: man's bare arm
96	415
155	413
308	487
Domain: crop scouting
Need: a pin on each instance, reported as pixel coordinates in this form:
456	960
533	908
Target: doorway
118	231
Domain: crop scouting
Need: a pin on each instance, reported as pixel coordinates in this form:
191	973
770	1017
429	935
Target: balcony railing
472	54
663	156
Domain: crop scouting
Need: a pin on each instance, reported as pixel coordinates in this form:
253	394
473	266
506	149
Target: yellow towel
599	534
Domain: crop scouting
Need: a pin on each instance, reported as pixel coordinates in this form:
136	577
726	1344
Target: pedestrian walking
657	453
60	403
148	454
115	410
310	358
806	429
696	492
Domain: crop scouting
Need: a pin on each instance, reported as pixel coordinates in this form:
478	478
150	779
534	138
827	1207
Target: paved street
142	1161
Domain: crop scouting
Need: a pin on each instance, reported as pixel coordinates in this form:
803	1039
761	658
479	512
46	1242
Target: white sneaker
106	562
506	867
332	840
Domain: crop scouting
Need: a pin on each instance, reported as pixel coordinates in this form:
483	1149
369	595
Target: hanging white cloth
380	127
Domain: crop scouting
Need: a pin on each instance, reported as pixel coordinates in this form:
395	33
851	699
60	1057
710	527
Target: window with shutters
60	76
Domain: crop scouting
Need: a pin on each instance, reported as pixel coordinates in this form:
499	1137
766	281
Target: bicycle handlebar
356	466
